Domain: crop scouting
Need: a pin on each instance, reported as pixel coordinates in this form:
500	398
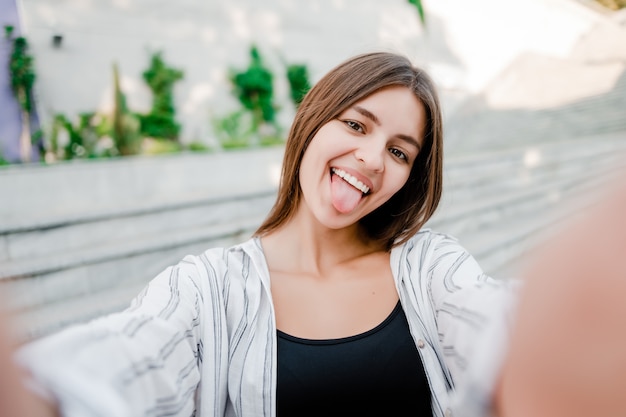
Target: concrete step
488	173
59	237
486	130
502	249
53	299
500	246
72	273
473	215
62	299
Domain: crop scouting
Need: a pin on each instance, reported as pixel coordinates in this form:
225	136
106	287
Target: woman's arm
568	347
473	315
15	398
142	360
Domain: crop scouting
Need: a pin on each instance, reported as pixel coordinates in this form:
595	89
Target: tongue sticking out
344	196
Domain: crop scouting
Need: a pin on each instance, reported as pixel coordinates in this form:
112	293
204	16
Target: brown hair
406	211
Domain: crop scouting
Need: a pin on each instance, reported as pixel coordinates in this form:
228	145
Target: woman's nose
371	154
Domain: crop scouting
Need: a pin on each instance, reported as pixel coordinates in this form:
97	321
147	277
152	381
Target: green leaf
420	10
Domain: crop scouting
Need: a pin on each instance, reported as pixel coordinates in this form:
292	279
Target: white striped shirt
200	340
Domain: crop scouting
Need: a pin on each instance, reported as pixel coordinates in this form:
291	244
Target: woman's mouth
351	180
346	191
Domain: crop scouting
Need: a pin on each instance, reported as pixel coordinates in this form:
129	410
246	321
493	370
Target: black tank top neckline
346	339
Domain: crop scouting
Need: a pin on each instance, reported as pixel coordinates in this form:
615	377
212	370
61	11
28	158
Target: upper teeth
352	180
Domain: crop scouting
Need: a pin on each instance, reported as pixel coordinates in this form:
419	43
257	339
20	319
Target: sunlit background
534	98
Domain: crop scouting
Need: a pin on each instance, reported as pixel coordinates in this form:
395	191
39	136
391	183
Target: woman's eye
398	154
354	125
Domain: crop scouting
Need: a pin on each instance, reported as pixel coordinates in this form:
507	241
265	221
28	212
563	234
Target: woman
340	304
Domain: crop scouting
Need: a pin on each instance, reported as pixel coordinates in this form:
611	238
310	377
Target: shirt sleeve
142	361
473	314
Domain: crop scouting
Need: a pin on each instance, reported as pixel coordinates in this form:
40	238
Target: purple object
10	115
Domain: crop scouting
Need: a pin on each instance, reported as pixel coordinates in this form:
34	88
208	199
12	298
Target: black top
376	373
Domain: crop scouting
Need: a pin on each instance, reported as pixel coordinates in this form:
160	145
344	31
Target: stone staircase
61	270
501	203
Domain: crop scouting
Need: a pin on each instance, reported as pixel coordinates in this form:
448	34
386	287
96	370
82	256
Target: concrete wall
64	191
203	38
464	46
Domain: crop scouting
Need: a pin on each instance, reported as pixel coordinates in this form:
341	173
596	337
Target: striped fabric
200	340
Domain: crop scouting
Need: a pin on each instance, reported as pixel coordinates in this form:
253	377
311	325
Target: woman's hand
568	349
15	399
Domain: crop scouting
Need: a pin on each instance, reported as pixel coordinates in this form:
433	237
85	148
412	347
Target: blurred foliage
235	130
8	31
255	124
94	135
161	121
299	84
124	132
157	146
255	89
125	125
198	147
272	140
87	137
22	70
420	10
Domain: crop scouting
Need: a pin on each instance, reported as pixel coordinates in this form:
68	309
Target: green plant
235	130
125	125
420	10
198	147
86	137
271	140
157	146
8	31
74	147
21	67
255	90
161	121
299	84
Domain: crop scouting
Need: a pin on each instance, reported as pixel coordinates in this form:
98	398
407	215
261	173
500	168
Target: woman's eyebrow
410	140
367	114
406	138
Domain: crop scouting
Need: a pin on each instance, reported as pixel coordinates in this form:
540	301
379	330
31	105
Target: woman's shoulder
428	248
432	239
241	259
249	247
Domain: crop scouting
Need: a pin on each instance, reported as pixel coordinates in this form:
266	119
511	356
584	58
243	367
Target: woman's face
357	161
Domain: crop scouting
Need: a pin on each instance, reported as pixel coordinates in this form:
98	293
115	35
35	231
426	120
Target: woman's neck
303	245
